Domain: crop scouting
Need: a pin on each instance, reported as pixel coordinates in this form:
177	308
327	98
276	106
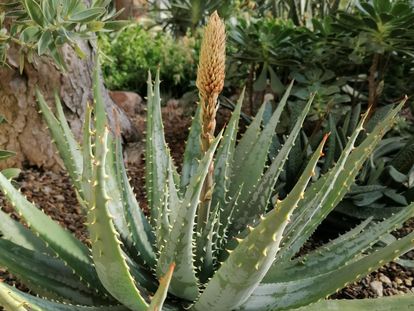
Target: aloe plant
241	255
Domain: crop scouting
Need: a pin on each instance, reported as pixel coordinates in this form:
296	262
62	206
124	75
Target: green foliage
384	185
366	51
379	26
130	54
244	257
302	12
386	174
386	182
41	27
183	15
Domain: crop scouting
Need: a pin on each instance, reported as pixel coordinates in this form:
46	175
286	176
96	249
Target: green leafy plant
367	46
131	53
184	15
41	27
327	88
302	12
221	246
379	29
386	182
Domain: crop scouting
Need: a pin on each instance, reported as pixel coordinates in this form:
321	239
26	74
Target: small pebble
385	279
376	286
47	190
59	198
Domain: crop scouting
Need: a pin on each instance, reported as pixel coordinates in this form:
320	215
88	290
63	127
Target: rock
376	286
47	190
25	132
59	198
398	281
408	282
385	279
129	102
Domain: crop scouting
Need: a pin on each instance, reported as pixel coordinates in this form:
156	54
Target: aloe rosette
236	250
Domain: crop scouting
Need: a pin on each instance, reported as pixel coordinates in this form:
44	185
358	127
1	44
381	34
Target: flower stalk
210	82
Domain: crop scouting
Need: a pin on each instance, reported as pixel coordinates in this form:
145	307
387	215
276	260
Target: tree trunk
25	132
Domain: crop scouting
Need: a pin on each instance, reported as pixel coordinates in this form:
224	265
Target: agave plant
216	237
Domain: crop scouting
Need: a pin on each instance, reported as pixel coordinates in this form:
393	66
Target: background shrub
131	53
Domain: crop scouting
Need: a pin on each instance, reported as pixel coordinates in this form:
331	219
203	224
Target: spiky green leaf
246	265
108	256
179	245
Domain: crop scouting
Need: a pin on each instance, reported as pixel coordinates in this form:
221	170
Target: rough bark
24	132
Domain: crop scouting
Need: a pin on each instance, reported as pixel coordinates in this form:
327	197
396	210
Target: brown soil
53	193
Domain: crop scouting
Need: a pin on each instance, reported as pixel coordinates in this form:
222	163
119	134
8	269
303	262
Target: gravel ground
53	193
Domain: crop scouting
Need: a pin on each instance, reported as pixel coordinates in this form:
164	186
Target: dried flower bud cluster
210	75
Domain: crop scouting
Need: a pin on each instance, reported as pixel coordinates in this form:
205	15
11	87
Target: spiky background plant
243	252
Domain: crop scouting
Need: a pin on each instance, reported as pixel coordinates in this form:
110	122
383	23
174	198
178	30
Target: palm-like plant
215	234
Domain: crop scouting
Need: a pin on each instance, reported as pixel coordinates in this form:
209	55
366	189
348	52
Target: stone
59	198
129	102
47	190
24	131
376	286
385	279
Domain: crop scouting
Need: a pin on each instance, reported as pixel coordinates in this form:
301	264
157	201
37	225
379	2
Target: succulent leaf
139	227
205	246
157	301
248	171
290	295
339	252
61	241
15	232
113	189
179	245
249	138
87	157
46	275
326	193
224	158
259	199
400	302
111	266
192	153
14	300
67	146
73	145
157	152
246	265
169	211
